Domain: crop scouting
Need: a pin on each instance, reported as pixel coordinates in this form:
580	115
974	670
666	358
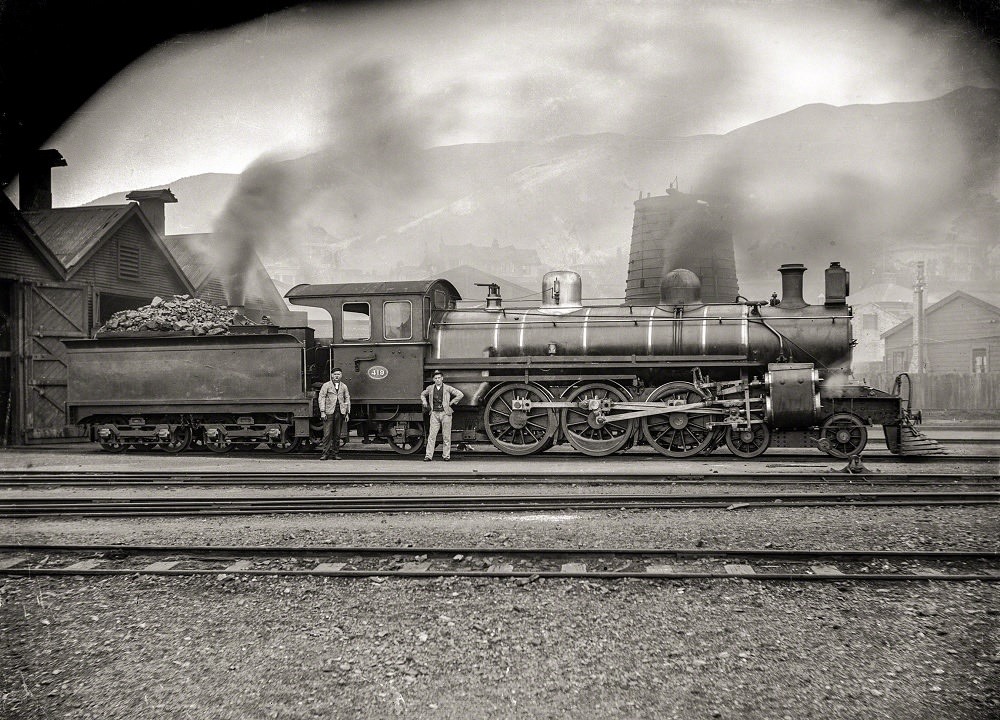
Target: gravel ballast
313	647
303	648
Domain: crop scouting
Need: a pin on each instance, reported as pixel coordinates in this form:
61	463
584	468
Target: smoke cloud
367	159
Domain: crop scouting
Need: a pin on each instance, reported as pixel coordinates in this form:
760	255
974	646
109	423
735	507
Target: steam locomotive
682	376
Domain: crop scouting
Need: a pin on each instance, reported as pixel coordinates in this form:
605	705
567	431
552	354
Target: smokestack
152	202
917	351
35	180
791	285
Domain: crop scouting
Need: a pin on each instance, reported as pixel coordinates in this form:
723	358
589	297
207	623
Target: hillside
815	184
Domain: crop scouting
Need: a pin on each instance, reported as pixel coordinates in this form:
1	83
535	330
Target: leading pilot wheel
519	432
748	442
843	435
679	434
412	441
180	440
593	432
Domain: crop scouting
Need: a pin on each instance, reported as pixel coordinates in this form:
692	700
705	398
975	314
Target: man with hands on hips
334	411
438	399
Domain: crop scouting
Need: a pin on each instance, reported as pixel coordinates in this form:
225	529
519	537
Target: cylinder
792	394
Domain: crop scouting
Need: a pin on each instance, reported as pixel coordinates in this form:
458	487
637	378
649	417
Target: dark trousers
331	433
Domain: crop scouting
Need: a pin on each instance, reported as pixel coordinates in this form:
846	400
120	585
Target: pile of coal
182	313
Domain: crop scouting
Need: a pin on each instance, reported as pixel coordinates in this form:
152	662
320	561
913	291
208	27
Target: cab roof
403	287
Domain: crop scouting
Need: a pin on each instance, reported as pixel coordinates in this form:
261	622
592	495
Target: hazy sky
490	71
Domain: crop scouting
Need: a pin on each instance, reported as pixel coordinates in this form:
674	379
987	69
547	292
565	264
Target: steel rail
187	506
638	562
194	478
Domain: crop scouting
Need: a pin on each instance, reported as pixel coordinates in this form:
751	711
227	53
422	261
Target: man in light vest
334	411
438	399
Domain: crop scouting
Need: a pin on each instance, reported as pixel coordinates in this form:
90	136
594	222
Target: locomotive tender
681	376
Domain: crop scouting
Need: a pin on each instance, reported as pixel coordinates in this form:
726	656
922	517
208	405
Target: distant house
961	335
518	263
877	308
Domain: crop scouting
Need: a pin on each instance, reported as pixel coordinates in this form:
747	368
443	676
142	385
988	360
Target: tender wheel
843	435
680	434
517	432
114	446
748	442
218	444
288	442
590	431
180	440
413	440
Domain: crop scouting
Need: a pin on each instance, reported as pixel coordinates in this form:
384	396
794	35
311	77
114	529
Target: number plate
378	372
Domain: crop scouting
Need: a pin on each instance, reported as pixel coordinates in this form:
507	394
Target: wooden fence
948	391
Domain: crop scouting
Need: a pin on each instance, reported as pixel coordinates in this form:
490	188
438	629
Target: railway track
360	452
196	478
21	507
523	564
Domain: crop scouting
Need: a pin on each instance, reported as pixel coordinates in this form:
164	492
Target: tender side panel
186	374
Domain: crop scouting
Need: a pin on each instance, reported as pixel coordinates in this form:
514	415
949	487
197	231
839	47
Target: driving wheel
589	427
678	434
519	431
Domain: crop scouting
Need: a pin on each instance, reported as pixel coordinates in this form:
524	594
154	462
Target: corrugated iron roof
989	300
403	287
10	215
70	233
193	252
198	256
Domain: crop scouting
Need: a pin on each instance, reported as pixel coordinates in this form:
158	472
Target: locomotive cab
381	336
380	332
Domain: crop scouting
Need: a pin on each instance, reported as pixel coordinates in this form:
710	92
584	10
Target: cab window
442	301
397	321
356	321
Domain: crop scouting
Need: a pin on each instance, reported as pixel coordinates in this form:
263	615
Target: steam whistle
493	300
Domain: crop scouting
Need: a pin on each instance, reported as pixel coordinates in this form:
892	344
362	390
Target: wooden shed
961	335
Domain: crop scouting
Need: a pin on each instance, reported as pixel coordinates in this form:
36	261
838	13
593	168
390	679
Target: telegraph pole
917	350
